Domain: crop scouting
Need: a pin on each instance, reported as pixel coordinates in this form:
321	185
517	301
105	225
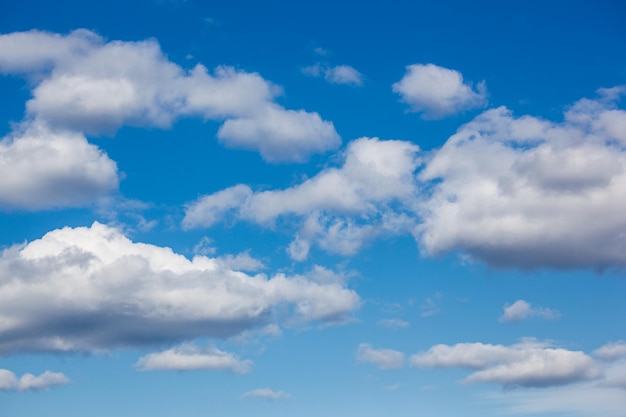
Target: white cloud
267	393
88	85
189	357
611	351
520	310
41	168
394	323
242	262
526	192
382	358
438	92
29	382
526	364
339	74
280	135
86	289
339	208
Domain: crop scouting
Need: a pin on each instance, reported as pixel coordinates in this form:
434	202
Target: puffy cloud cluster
87	84
84	85
526	192
339	208
29	382
526	364
437	92
91	288
520	310
511	191
189	357
382	358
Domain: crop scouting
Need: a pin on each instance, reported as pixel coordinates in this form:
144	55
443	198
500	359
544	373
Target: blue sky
312	208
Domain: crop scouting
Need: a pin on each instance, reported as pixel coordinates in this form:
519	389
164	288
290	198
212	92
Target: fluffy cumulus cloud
382	358
340	74
526	192
189	357
526	364
267	393
437	92
83	83
521	310
29	382
339	208
91	288
41	168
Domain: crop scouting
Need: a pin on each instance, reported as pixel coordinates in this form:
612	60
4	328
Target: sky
312	208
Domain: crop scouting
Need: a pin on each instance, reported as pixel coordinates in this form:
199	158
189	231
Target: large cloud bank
91	288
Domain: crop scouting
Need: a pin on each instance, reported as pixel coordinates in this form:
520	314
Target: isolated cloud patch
189	357
526	192
526	364
437	92
83	83
91	288
41	168
287	135
267	393
338	209
339	74
29	382
382	358
611	351
520	310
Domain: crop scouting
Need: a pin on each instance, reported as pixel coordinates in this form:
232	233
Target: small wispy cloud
267	393
521	310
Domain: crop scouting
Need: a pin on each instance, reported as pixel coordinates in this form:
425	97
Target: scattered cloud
267	393
42	168
340	74
393	323
430	307
525	364
29	382
189	357
531	193
382	358
611	351
339	208
520	310
85	84
91	289
437	92
578	400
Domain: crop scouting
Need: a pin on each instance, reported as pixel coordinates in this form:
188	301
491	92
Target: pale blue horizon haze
312	208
